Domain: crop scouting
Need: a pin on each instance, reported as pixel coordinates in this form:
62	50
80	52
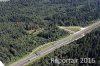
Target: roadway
56	45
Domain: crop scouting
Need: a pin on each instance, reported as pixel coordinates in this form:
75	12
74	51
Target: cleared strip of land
58	44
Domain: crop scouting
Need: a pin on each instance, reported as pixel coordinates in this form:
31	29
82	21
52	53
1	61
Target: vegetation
19	17
71	29
15	42
87	47
61	12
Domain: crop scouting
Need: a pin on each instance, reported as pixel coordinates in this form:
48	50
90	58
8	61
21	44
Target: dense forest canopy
16	42
61	12
19	16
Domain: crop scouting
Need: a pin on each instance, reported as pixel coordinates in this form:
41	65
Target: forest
61	12
16	42
18	17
